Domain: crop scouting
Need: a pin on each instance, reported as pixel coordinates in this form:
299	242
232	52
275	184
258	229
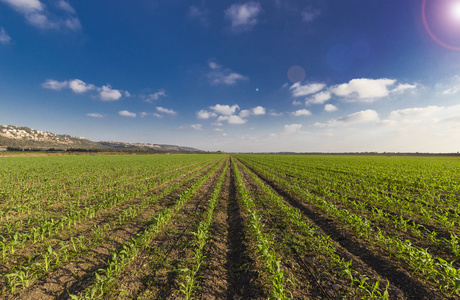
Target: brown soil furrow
83	269
378	261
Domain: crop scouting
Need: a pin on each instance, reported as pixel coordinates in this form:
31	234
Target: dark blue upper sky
323	75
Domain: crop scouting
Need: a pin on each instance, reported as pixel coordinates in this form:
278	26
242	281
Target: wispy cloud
39	15
105	93
299	90
221	76
155	96
125	113
166	111
4	37
95	115
196	126
363	116
243	17
199	13
310	14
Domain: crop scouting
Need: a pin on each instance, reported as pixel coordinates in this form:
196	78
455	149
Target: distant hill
28	138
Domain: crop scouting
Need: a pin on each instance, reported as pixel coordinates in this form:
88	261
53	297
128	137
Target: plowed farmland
229	227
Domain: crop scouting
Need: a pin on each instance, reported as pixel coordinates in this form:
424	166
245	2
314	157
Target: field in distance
218	226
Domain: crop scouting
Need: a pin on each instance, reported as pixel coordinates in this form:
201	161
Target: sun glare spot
455	10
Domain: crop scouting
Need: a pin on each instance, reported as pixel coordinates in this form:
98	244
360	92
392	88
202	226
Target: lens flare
455	11
453	8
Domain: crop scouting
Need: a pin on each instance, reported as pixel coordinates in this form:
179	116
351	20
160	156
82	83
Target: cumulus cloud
245	113
364	88
319	98
196	126
258	110
105	93
155	96
224	109
243	17
299	90
330	108
95	115
4	37
204	114
227	113
310	14
235	120
301	112
166	111
220	76
292	128
54	84
125	113
38	15
79	86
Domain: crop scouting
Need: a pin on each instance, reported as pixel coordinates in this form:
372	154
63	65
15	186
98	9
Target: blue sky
272	75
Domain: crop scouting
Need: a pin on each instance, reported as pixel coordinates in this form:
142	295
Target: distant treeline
86	150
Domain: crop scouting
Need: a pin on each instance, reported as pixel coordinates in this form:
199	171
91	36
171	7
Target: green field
213	226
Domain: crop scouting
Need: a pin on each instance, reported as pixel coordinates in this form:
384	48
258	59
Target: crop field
217	226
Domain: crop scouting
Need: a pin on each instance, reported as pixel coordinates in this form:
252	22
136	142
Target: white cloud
319	98
235	120
214	66
224	109
364	88
204	114
166	111
218	129
301	112
258	110
78	86
126	113
243	16
402	87
310	14
54	84
95	115
37	15
106	93
415	112
65	6
218	75
292	128
363	116
4	37
275	114
245	113
299	90
330	108
155	96
196	126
